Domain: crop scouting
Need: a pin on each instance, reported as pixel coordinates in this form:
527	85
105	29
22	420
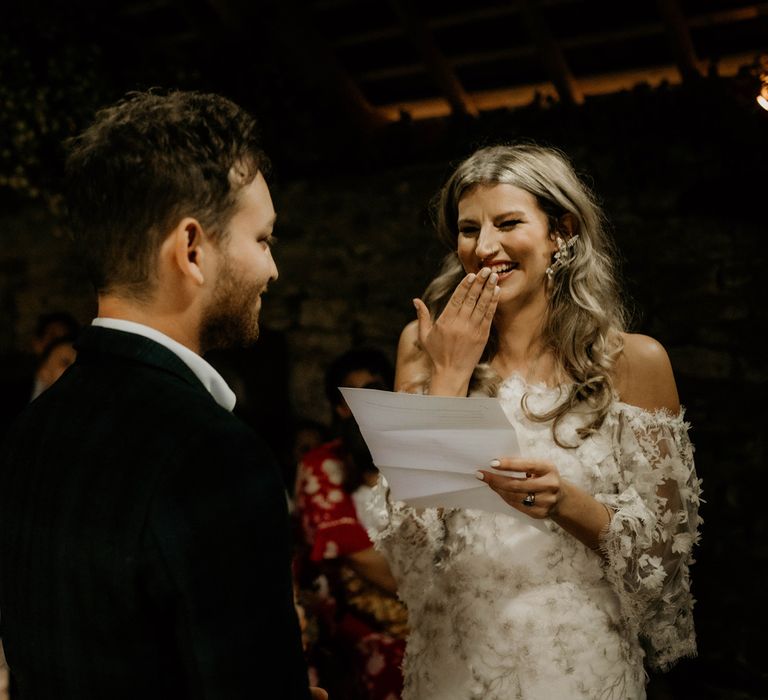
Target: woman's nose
487	242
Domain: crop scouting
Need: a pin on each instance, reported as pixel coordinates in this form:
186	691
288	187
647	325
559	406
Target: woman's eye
511	223
468	231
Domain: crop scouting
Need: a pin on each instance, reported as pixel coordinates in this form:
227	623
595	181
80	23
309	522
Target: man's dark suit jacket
144	539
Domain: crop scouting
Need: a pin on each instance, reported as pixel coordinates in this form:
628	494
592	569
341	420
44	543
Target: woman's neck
520	348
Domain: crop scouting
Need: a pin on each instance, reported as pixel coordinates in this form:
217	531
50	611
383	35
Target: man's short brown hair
145	163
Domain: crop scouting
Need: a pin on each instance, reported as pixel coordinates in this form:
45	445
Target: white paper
429	447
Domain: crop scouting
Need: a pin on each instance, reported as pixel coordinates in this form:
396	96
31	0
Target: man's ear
188	249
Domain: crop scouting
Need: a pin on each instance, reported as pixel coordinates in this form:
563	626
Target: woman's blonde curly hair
586	313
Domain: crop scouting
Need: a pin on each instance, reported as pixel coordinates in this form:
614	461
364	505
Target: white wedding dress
501	610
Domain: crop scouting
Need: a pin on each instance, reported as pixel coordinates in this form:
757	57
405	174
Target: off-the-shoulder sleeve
408	540
649	542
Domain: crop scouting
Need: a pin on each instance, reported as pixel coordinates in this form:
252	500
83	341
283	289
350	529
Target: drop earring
562	257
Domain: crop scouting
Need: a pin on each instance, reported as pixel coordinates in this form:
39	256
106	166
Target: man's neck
173	324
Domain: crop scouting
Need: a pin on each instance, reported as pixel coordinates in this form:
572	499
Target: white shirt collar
208	376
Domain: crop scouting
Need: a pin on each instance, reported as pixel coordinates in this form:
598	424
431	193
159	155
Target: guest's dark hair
375	361
356	458
145	163
63	318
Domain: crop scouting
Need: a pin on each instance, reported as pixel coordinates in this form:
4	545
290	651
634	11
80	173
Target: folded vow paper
429	447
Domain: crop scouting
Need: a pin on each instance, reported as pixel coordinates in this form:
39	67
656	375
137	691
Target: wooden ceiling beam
679	36
734	14
551	55
510	7
702	21
138	9
639	31
393	31
708	19
595	84
453	20
305	55
457	61
438	67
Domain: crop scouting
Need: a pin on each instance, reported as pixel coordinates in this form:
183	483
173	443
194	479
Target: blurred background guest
357	626
50	326
59	354
307	435
27	374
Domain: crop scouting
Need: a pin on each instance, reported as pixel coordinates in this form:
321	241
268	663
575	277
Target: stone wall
352	253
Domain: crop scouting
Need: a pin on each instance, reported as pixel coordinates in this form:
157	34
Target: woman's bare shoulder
412	365
409	337
644	375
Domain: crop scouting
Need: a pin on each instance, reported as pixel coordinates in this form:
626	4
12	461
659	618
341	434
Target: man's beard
232	318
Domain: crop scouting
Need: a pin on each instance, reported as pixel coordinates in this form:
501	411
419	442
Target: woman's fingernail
495	463
480	476
493	278
485	272
471	277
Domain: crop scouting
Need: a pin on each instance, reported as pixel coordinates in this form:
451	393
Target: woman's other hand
539	491
536	489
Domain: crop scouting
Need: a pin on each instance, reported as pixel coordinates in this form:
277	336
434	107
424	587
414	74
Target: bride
527	308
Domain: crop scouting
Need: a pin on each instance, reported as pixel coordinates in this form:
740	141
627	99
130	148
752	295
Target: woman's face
503	228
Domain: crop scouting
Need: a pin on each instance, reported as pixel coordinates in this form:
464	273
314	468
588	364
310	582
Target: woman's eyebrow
506	215
514	214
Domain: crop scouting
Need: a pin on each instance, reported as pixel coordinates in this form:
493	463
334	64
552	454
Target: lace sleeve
406	538
648	544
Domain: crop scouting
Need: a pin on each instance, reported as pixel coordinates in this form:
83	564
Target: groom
144	547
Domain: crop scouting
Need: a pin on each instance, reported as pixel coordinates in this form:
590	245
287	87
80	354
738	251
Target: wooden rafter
442	22
597	84
435	61
637	31
680	38
305	53
551	54
143	8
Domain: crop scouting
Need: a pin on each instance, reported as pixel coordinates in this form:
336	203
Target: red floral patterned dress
354	619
